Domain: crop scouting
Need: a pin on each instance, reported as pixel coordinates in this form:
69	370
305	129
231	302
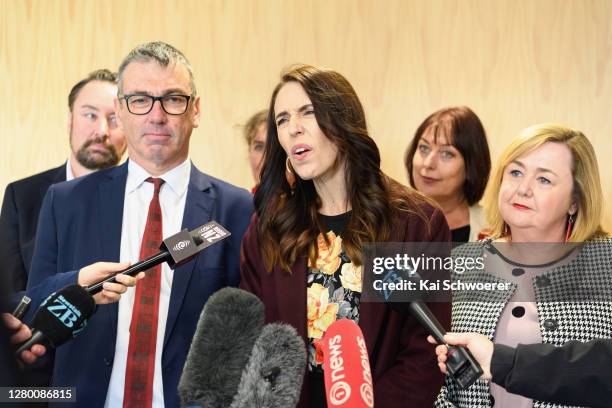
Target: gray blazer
573	302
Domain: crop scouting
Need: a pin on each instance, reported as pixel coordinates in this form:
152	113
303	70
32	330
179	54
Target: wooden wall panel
515	63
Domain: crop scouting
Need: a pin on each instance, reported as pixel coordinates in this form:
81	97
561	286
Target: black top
327	273
336	223
461	234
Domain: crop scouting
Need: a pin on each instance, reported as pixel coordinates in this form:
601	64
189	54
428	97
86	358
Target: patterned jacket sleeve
446	398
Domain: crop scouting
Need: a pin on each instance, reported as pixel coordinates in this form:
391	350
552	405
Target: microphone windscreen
229	325
64	314
348	378
275	371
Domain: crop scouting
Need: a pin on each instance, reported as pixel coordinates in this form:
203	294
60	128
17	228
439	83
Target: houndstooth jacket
574	302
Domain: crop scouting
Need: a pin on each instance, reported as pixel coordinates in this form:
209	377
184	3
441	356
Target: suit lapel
111	195
60	174
199	206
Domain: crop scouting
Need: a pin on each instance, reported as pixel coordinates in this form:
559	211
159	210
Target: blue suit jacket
80	223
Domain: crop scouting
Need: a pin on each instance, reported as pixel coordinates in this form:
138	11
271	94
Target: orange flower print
320	312
328	259
350	276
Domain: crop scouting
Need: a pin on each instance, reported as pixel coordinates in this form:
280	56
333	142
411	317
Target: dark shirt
461	234
347	300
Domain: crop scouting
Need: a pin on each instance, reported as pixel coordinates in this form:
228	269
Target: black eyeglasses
172	104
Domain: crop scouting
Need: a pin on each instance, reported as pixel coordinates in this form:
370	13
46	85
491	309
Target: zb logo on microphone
64	311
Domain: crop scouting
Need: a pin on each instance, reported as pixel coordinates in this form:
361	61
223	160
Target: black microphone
274	374
461	364
60	317
229	325
175	250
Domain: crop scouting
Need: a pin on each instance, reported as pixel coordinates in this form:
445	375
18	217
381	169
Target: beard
97	160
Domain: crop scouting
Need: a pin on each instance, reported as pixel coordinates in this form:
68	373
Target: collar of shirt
177	178
69	173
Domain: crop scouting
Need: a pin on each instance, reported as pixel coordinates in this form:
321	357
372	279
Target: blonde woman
544	192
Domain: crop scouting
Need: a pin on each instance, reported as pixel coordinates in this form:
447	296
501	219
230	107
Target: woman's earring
288	165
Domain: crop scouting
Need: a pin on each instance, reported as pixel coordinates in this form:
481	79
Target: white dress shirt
69	172
138	195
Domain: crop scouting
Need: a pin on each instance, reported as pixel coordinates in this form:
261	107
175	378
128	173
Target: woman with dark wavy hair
302	253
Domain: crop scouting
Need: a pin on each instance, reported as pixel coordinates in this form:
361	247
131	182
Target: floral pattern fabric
333	292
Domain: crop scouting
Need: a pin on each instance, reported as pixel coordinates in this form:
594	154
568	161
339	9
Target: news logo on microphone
348	377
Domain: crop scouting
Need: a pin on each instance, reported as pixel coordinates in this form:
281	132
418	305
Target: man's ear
69	123
117	106
196	112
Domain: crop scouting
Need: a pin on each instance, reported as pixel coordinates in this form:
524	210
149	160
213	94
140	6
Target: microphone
229	325
22	307
348	378
461	364
175	250
60	317
275	371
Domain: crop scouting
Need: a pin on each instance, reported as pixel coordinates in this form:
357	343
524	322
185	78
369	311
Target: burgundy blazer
404	369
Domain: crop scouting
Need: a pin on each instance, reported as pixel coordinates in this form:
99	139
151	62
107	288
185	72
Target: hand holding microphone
111	291
174	250
480	346
60	317
461	364
21	334
65	313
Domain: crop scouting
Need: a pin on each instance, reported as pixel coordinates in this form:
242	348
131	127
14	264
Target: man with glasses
132	352
96	142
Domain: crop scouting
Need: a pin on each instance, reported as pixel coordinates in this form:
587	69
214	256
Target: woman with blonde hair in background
544	206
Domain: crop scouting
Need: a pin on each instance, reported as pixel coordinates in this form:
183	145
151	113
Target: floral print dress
333	287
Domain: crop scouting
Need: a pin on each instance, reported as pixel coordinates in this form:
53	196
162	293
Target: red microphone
348	378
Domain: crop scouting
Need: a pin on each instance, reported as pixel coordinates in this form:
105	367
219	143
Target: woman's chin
306	176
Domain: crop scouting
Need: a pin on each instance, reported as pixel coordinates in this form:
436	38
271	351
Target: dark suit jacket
18	220
404	365
80	223
547	372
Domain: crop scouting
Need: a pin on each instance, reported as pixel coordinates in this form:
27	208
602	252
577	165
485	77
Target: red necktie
140	367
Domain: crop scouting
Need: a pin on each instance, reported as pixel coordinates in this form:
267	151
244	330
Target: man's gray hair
164	54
